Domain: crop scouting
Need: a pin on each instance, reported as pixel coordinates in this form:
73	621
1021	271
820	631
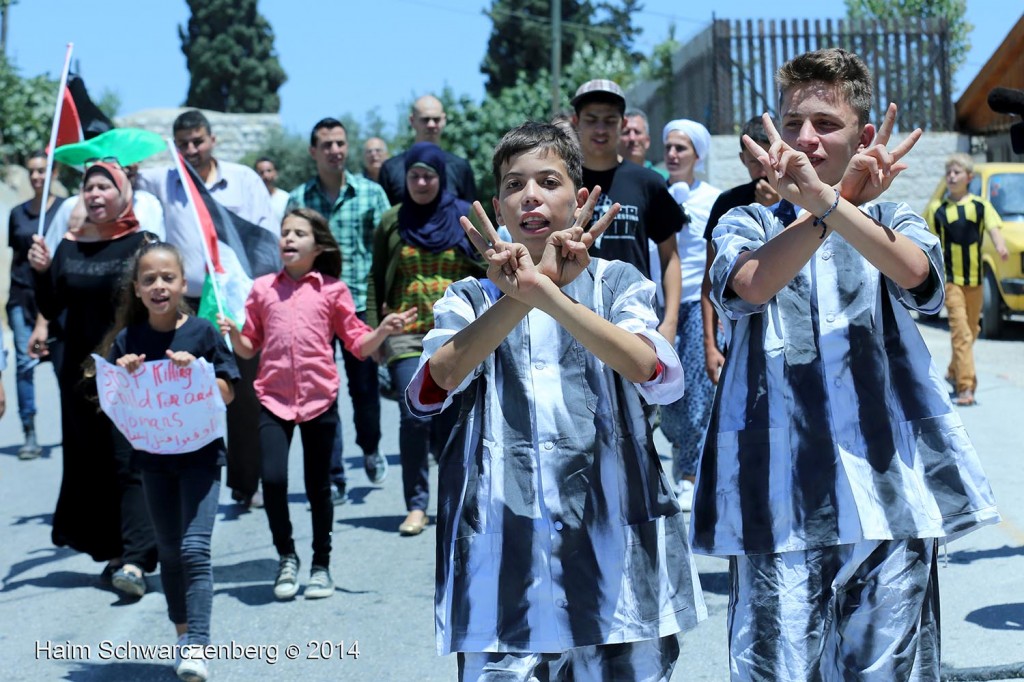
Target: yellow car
1003	185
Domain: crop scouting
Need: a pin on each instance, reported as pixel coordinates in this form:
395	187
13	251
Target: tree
290	154
520	41
229	49
953	11
26	112
473	130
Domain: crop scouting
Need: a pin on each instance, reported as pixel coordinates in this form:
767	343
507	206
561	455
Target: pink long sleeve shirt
293	323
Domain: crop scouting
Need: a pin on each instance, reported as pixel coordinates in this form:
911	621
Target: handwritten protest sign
161	408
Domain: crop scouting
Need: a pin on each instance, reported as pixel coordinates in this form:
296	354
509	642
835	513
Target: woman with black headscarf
101	508
419	249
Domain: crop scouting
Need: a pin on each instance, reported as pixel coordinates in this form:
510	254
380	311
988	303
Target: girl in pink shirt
291	318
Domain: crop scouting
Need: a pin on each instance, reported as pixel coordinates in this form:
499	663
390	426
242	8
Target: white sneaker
193	669
181	644
684	493
287	583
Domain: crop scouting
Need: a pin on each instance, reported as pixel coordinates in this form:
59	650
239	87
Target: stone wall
237	134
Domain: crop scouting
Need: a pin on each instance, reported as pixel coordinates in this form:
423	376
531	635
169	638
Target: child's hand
181	358
872	170
509	264
226	325
788	171
567	252
131	362
395	323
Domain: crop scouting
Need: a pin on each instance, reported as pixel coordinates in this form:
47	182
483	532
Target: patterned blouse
831	424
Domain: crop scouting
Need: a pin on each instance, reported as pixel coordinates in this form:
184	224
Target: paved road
384	600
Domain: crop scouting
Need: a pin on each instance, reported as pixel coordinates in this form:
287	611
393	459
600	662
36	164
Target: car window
974	186
1006	193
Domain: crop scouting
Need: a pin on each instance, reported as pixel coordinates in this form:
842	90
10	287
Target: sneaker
179	646
193	669
320	583
128	583
287	583
256	500
376	466
338	497
684	492
31	449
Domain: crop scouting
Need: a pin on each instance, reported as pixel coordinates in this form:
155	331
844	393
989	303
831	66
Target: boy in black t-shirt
647	211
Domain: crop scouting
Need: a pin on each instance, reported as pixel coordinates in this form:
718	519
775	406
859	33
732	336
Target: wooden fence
726	74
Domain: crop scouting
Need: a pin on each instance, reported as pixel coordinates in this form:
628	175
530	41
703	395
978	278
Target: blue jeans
416	436
183	505
26	365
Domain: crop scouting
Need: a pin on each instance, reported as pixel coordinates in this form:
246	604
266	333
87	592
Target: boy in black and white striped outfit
834	460
562	551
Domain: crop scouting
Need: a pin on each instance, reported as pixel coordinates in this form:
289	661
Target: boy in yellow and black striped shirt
961	220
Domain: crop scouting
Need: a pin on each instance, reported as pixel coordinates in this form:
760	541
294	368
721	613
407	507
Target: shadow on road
120	670
386	524
245	571
999	617
44	519
48	554
969	556
718	582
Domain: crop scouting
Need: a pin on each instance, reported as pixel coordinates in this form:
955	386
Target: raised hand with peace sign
872	170
566	253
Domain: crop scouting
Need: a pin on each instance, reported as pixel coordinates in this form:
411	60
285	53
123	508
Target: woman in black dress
101	509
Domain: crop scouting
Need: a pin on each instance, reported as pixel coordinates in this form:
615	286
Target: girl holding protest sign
181	489
293	317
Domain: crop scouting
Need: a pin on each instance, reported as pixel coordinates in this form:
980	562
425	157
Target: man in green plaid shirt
353	206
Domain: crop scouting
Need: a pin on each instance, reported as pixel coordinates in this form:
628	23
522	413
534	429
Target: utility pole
556	55
4	4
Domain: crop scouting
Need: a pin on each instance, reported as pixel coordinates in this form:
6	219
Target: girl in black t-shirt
181	490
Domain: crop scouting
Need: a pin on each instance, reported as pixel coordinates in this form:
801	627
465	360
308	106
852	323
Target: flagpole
53	138
183	176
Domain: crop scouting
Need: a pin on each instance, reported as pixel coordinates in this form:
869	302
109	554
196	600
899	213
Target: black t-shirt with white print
647	211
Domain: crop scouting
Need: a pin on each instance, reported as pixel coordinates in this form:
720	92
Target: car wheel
991	307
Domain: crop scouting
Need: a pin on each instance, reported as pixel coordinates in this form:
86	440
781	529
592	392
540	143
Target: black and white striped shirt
831	425
557	527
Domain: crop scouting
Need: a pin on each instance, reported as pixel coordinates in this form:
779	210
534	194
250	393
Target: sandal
414	523
965	399
130	583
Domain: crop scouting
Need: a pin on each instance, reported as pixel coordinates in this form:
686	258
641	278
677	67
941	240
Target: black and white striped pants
867	611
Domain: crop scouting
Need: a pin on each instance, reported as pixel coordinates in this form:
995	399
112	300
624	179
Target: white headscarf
698	134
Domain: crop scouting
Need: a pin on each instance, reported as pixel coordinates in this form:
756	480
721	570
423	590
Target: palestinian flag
80	119
237	251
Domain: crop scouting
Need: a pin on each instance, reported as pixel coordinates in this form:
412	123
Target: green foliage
520	41
109	103
26	112
290	153
229	49
658	68
953	11
473	129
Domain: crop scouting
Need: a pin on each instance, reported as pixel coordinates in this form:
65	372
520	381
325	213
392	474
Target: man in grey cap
647	210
